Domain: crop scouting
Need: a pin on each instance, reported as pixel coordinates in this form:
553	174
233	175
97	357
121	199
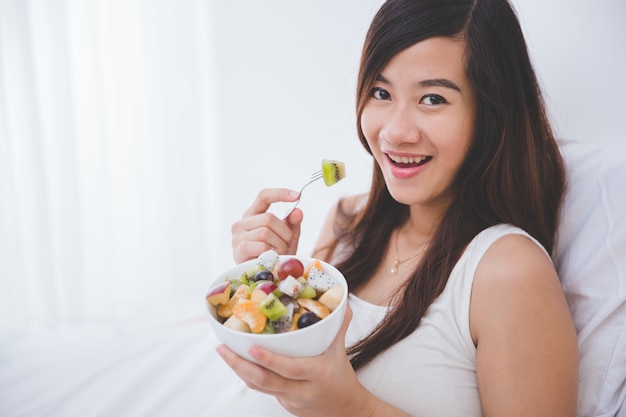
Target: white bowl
307	342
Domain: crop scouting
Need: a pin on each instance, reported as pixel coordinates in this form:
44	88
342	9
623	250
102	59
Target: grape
291	266
263	275
307	319
286	300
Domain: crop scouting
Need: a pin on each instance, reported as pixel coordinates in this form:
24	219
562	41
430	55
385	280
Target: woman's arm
327	238
527	351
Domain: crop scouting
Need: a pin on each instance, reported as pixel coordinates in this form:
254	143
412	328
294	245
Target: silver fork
314	177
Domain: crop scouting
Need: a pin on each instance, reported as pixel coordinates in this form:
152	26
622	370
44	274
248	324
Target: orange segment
249	312
226	310
316	307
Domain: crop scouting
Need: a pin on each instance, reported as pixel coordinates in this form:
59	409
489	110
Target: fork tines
316	175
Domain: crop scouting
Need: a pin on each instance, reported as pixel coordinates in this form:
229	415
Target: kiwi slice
272	307
248	275
333	171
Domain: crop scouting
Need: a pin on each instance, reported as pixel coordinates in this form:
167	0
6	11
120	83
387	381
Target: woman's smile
406	166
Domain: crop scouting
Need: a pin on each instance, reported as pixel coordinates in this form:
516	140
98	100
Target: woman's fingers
262	228
254	235
340	341
295	369
255	376
259	230
301	369
294	220
267	197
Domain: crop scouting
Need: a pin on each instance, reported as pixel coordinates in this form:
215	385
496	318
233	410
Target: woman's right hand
258	230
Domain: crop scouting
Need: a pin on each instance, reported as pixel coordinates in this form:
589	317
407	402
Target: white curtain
107	148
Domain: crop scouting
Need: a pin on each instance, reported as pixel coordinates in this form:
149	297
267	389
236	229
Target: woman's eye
433	99
380	93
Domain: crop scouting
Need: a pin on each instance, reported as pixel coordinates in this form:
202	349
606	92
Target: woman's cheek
368	125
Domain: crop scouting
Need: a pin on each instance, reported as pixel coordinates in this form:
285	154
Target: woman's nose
401	125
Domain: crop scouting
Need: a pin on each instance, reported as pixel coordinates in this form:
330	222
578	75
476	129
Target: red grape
291	266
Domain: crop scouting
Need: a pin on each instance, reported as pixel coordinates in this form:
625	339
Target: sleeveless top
432	372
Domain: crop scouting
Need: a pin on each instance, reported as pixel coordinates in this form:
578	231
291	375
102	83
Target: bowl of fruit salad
288	304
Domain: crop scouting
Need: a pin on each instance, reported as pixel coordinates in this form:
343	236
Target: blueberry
307	319
263	275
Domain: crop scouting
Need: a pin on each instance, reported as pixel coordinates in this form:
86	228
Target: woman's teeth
408	160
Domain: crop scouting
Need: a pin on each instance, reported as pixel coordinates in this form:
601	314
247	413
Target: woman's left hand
320	386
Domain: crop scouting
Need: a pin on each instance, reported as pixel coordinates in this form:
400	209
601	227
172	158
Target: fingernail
293	194
256	352
221	350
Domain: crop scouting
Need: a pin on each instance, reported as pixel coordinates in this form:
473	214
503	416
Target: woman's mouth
408	161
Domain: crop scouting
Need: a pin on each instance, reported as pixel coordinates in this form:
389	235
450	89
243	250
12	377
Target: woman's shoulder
508	251
516	252
508	243
513	238
346	207
352	204
513	267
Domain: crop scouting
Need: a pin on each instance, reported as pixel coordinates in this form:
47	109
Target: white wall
286	77
579	53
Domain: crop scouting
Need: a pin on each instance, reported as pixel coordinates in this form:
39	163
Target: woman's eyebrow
381	78
439	82
435	82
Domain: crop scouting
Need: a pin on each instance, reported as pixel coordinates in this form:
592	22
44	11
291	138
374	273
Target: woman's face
418	121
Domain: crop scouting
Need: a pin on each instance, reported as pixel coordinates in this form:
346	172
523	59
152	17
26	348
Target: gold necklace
398	262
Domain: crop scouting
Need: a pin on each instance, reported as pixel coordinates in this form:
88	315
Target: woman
456	308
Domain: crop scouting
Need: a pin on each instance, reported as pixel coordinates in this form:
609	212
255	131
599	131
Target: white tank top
432	372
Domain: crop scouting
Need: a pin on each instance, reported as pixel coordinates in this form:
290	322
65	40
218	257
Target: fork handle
288	212
314	177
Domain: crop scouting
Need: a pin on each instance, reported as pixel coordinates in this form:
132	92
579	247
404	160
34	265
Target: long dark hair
513	172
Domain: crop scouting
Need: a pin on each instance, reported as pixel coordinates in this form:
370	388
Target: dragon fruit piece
290	286
268	259
320	280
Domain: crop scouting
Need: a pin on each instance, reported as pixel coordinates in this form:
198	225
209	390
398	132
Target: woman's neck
422	223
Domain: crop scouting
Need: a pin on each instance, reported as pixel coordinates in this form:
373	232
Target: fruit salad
276	296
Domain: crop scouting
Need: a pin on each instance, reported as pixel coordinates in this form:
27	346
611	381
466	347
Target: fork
314	177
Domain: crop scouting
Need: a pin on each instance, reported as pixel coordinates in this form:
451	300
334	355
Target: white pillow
590	255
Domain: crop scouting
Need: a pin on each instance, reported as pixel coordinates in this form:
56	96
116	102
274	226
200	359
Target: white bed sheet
169	370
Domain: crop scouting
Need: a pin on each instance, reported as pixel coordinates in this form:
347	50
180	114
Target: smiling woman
467	184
